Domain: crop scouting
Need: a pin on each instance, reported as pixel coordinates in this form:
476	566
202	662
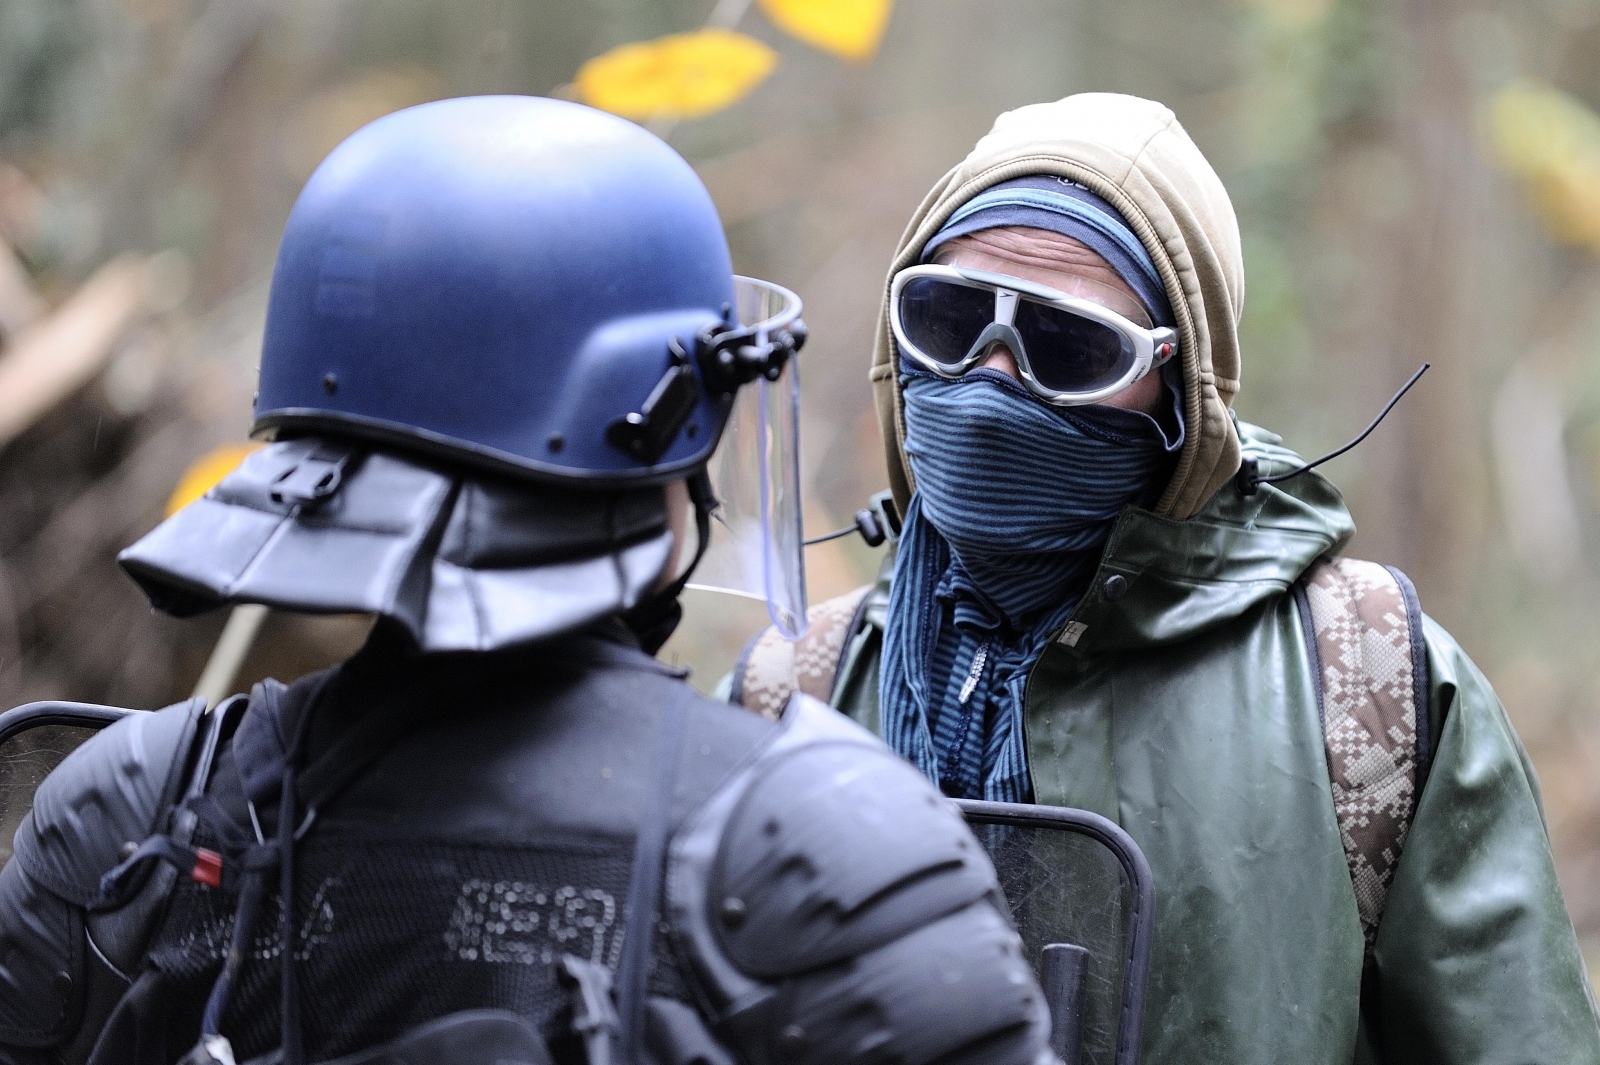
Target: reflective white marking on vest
512	922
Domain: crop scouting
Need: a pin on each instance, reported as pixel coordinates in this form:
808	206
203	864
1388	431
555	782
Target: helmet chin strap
655	617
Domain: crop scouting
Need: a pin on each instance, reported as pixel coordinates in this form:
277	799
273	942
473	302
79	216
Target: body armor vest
493	839
489	844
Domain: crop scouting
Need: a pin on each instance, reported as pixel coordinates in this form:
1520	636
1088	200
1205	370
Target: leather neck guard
464	563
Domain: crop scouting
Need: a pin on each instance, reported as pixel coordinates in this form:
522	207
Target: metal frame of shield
1083	899
56	729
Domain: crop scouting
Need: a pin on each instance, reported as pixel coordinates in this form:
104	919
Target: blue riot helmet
525	299
504	280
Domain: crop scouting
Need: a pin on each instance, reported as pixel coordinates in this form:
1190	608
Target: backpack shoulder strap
771	668
1363	630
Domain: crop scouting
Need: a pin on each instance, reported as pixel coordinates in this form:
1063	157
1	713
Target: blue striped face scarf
1014	502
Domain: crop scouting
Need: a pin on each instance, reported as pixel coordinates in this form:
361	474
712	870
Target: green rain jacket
1187	712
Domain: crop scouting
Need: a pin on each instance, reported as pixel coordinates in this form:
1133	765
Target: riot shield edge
1141	917
53	712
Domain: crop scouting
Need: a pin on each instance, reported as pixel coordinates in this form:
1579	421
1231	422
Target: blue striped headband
1056	204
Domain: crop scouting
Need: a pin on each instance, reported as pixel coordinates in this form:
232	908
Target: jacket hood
1135	155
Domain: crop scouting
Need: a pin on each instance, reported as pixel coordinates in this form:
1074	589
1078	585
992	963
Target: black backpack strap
644	883
1420	681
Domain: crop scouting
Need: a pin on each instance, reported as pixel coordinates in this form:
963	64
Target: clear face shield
757	540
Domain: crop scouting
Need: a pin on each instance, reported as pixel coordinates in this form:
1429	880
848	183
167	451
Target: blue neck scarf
1014	502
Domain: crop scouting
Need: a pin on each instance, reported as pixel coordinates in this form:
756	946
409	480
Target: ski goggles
1069	351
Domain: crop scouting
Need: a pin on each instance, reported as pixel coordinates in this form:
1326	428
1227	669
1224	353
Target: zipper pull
979	660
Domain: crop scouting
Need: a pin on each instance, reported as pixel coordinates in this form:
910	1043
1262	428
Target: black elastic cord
290	1037
866	523
644	883
244	926
705	503
347	759
825	537
290	1004
1384	413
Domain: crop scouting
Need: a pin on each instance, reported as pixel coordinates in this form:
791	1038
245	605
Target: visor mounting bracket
731	358
646	433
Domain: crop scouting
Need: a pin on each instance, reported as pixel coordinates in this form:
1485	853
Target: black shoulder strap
1420	682
644	883
616	1033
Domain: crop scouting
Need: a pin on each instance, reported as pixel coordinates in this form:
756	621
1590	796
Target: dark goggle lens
1070	353
943	319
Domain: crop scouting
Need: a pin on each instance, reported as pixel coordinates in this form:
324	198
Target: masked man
500	338
1107	595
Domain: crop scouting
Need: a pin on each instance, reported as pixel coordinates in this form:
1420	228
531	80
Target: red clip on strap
207	867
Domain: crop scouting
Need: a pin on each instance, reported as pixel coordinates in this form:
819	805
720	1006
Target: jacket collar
1162	580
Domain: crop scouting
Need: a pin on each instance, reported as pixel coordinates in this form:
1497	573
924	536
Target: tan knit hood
1135	156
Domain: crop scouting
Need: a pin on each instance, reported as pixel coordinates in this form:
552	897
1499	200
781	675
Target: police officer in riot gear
501	345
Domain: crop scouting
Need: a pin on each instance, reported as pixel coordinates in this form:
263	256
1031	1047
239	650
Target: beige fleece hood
1135	156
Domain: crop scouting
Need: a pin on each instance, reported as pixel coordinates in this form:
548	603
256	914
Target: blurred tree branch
62	352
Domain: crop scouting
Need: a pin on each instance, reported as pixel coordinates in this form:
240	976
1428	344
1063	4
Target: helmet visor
757	540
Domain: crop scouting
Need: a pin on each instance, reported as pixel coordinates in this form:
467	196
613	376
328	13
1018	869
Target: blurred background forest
1415	180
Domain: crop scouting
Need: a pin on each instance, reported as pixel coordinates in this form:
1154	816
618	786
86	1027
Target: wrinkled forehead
1049	205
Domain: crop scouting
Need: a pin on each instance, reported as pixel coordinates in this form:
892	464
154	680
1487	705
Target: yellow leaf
206	473
683	75
851	29
1551	141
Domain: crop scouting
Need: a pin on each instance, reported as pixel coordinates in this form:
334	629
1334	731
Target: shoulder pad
109	791
956	991
41	962
836	849
826	847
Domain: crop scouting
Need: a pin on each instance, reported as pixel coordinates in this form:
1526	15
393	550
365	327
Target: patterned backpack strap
772	668
1363	628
